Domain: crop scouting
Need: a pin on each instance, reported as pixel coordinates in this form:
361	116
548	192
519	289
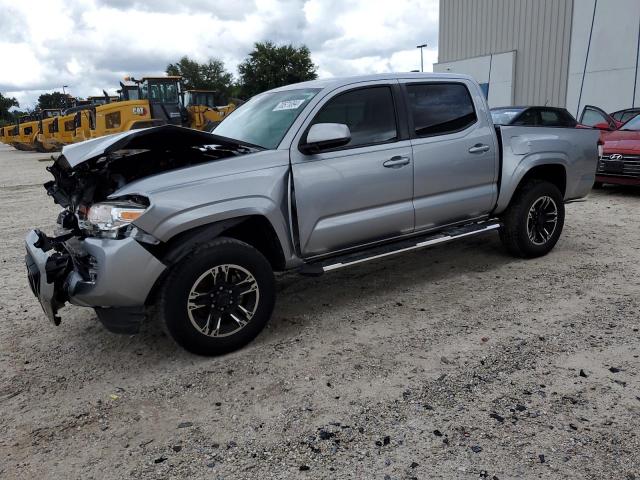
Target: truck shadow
391	280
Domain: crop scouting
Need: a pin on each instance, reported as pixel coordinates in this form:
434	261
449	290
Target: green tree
203	76
53	100
5	104
270	66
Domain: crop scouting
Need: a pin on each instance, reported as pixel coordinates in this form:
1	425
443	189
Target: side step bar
415	243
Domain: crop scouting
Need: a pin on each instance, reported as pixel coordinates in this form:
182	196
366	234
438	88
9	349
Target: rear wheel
533	222
598	185
218	298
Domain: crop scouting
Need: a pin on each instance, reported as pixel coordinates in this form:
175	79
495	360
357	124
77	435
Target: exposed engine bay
82	181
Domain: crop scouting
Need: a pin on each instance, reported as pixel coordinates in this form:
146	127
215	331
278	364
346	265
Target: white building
568	53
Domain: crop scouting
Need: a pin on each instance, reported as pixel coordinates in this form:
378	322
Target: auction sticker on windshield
289	104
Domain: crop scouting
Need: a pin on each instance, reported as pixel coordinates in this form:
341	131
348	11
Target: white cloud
91	44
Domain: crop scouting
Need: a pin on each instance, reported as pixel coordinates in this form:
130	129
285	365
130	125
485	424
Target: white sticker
289	104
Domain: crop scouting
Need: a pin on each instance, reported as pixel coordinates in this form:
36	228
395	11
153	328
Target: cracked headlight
112	219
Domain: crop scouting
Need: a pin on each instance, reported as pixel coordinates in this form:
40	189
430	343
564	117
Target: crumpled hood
206	173
93	170
161	137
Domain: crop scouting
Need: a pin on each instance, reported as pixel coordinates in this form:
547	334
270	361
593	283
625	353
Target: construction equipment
148	102
48	126
202	110
102	100
27	132
10	134
63	130
83	121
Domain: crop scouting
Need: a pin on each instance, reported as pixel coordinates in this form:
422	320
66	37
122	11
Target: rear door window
440	108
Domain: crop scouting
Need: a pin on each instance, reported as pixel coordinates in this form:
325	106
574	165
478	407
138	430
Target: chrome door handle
479	148
396	162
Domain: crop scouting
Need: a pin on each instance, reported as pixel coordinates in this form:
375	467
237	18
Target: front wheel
218	298
533	222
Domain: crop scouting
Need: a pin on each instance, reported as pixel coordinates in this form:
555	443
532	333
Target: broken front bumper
106	274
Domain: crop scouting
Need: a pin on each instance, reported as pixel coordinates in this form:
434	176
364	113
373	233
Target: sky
91	45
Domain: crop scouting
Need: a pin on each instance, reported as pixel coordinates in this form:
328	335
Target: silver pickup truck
190	225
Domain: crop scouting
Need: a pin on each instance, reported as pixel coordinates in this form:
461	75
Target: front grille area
627	166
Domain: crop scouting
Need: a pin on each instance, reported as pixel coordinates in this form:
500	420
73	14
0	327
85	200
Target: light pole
421	56
64	93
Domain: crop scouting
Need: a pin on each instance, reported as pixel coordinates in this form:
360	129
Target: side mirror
323	136
602	126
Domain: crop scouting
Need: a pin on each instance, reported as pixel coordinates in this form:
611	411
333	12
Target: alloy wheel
542	220
223	300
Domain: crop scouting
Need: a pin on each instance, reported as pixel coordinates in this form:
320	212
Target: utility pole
421	56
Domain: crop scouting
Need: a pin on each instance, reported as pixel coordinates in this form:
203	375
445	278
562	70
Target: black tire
598	185
177	307
515	233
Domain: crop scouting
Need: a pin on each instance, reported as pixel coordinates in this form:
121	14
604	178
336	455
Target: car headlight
112	219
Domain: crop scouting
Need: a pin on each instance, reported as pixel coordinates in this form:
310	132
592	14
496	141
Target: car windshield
632	125
504	116
265	119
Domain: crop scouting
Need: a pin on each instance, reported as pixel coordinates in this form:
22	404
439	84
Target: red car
597	118
620	162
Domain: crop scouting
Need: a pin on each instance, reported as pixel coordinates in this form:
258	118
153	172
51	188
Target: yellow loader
27	132
202	110
64	129
144	103
48	126
10	134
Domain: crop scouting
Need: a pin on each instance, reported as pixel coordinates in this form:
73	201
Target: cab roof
335	82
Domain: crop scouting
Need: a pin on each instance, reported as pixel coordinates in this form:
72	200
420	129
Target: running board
415	243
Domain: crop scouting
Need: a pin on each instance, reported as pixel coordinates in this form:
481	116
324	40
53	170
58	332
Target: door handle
396	162
479	148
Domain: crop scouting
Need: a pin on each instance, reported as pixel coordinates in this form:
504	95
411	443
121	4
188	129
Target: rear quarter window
440	108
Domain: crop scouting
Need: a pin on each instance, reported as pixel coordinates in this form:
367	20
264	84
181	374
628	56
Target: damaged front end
99	258
46	273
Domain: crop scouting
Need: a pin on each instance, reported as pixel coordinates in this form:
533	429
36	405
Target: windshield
161	92
265	119
633	124
504	117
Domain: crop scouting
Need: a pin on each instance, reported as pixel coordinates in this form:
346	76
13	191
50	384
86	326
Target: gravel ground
453	362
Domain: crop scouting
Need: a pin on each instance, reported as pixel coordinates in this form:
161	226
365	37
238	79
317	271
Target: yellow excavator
203	114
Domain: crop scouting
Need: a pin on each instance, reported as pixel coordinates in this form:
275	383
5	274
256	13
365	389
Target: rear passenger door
454	151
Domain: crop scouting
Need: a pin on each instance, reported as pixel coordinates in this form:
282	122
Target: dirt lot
454	362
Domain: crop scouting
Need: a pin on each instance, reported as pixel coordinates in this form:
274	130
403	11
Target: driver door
592	116
361	192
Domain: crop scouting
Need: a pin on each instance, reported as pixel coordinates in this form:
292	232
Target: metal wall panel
539	30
